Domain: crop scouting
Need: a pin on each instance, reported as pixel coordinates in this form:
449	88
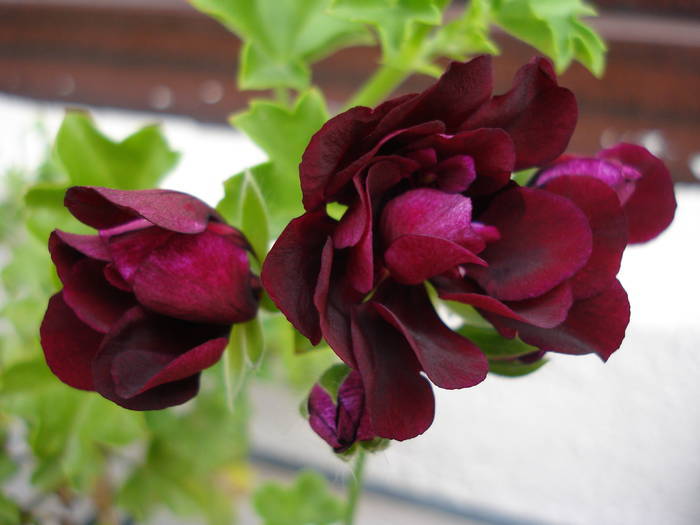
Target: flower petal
69	344
322	416
89	245
106	208
449	360
204	278
539	115
399	400
333	298
291	270
652	206
545	239
93	299
609	227
594	325
412	259
129	249
148	361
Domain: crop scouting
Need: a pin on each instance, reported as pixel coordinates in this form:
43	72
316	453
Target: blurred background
577	443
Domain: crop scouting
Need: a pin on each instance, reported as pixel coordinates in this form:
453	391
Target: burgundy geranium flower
426	182
344	422
148	302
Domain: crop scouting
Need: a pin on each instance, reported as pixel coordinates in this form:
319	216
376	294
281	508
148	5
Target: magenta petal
203	277
69	344
594	325
399	400
89	245
652	206
149	362
545	239
96	302
449	360
129	249
333	299
609	227
545	311
322	416
353	418
291	270
105	208
455	96
63	255
539	115
455	174
412	259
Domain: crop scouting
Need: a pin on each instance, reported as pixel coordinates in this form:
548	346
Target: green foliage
281	38
555	28
493	344
514	368
283	134
243	354
9	511
244	207
307	502
192	459
396	21
90	158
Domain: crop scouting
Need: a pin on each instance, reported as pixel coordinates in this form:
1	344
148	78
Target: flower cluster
148	302
426	182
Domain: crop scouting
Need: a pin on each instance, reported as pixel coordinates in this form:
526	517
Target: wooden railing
163	56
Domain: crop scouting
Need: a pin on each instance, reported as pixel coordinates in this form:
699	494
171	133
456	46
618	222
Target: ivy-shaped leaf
394	20
554	27
307	502
282	38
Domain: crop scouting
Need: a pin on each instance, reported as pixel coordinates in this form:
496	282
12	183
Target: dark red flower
344	422
426	182
149	301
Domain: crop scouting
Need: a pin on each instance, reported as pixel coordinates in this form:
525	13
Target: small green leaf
515	368
555	28
90	158
394	20
523	177
283	134
332	378
282	38
235	367
307	502
493	344
45	212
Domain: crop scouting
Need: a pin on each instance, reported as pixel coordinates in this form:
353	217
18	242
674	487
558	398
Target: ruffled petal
333	298
89	245
609	227
69	344
594	325
412	259
148	361
399	400
546	311
291	270
106	208
129	249
204	278
448	359
93	299
652	206
545	239
322	416
539	115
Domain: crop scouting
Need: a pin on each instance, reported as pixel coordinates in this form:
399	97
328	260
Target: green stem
355	487
391	74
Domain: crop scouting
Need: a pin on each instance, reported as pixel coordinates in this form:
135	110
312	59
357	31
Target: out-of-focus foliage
307	502
282	38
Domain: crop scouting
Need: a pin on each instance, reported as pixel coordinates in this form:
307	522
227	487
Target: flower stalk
354	488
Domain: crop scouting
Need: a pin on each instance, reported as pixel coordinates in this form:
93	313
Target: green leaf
332	378
465	35
394	20
515	368
90	158
307	502
493	344
283	134
522	177
282	38
9	511
235	368
45	212
243	206
555	28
